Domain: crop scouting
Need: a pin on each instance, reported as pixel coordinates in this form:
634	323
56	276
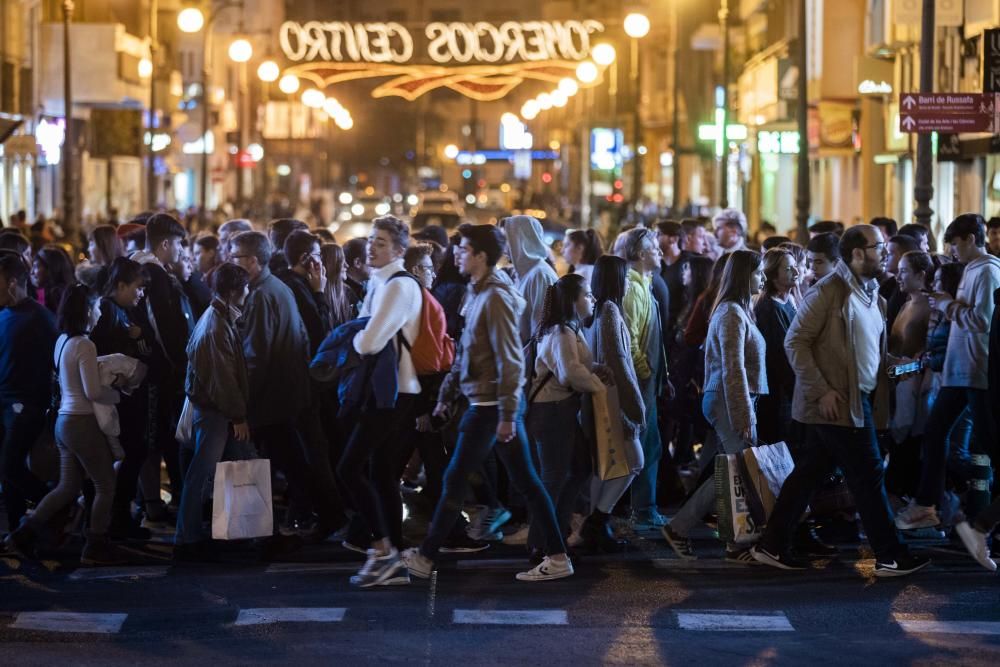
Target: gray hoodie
528	252
966	361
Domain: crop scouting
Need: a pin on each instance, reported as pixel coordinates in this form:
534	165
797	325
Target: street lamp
544	101
240	51
69	138
587	72
289	84
145	68
569	87
313	98
603	54
190	20
268	71
559	98
451	151
636	25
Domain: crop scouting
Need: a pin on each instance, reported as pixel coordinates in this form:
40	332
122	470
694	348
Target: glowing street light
344	121
190	19
636	25
544	101
289	84
332	107
240	51
268	71
530	109
569	87
145	68
586	72
451	151
559	98
509	119
313	98
603	54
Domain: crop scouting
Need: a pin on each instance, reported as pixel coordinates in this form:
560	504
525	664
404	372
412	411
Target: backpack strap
62	348
536	390
400	338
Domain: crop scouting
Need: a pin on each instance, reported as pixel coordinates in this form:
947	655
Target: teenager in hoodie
528	253
965	379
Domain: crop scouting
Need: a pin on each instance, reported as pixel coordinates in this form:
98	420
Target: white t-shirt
868	327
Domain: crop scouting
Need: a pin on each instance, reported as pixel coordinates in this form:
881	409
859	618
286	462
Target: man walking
837	348
491	369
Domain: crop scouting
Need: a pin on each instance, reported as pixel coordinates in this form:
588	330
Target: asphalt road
636	608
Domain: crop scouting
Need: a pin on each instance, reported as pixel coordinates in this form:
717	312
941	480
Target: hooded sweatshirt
966	363
534	275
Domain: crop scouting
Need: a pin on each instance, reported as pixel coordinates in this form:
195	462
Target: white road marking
99	573
510	617
733	621
919	626
67	621
266	615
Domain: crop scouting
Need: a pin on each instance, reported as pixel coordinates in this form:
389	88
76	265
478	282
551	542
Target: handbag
610	443
241	502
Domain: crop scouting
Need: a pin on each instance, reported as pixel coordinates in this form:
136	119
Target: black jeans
132	419
856	452
948	408
477	437
563	457
380	441
19	430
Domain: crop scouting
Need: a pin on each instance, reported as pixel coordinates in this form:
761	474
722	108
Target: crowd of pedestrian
462	372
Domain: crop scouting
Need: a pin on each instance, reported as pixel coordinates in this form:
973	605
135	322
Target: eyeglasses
880	246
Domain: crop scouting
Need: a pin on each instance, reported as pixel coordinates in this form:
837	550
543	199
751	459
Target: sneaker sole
548	577
354	548
889	574
917	525
463	550
965	533
677	550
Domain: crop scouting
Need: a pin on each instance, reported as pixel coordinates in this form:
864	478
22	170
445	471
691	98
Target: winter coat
966	363
528	252
361	379
217	369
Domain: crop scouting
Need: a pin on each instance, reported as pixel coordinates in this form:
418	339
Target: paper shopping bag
241	508
767	467
611	456
733	504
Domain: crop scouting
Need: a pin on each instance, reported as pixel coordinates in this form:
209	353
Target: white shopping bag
732	502
241	507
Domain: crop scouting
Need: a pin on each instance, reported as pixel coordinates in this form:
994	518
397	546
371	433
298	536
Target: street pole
151	156
803	198
676	166
69	141
636	62
204	123
724	169
923	190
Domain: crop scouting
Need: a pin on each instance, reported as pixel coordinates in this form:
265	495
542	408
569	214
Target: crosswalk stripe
286	568
266	615
721	620
918	626
510	617
100	573
67	621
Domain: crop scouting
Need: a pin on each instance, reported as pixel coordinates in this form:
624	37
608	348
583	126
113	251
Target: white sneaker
916	516
419	565
517	538
548	569
975	543
386	570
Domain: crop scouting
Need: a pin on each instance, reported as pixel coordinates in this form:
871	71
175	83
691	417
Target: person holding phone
217	386
735	375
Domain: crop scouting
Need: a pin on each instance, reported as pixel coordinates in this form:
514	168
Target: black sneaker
463	544
901	565
782	560
808	543
681	545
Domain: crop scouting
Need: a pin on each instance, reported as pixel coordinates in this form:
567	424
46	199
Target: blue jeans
948	408
476	437
856	452
563	456
729	441
644	486
211	436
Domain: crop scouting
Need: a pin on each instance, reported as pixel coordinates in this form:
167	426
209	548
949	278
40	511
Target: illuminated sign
777	143
605	148
514	134
481	42
50	136
870	87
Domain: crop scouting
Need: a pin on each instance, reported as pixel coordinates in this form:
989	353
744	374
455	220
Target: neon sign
482	42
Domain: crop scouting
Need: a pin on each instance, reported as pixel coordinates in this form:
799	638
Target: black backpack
531	383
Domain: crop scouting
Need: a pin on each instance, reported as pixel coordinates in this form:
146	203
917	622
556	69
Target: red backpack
433	351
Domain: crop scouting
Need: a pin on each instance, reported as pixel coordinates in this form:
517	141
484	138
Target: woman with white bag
618	449
217	387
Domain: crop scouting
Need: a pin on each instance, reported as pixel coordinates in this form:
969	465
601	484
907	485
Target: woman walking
564	369
609	341
735	375
83	448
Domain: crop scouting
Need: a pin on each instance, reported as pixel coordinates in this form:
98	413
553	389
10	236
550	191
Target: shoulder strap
400	338
61	349
536	390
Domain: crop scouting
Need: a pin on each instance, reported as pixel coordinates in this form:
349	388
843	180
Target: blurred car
439	202
364	208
